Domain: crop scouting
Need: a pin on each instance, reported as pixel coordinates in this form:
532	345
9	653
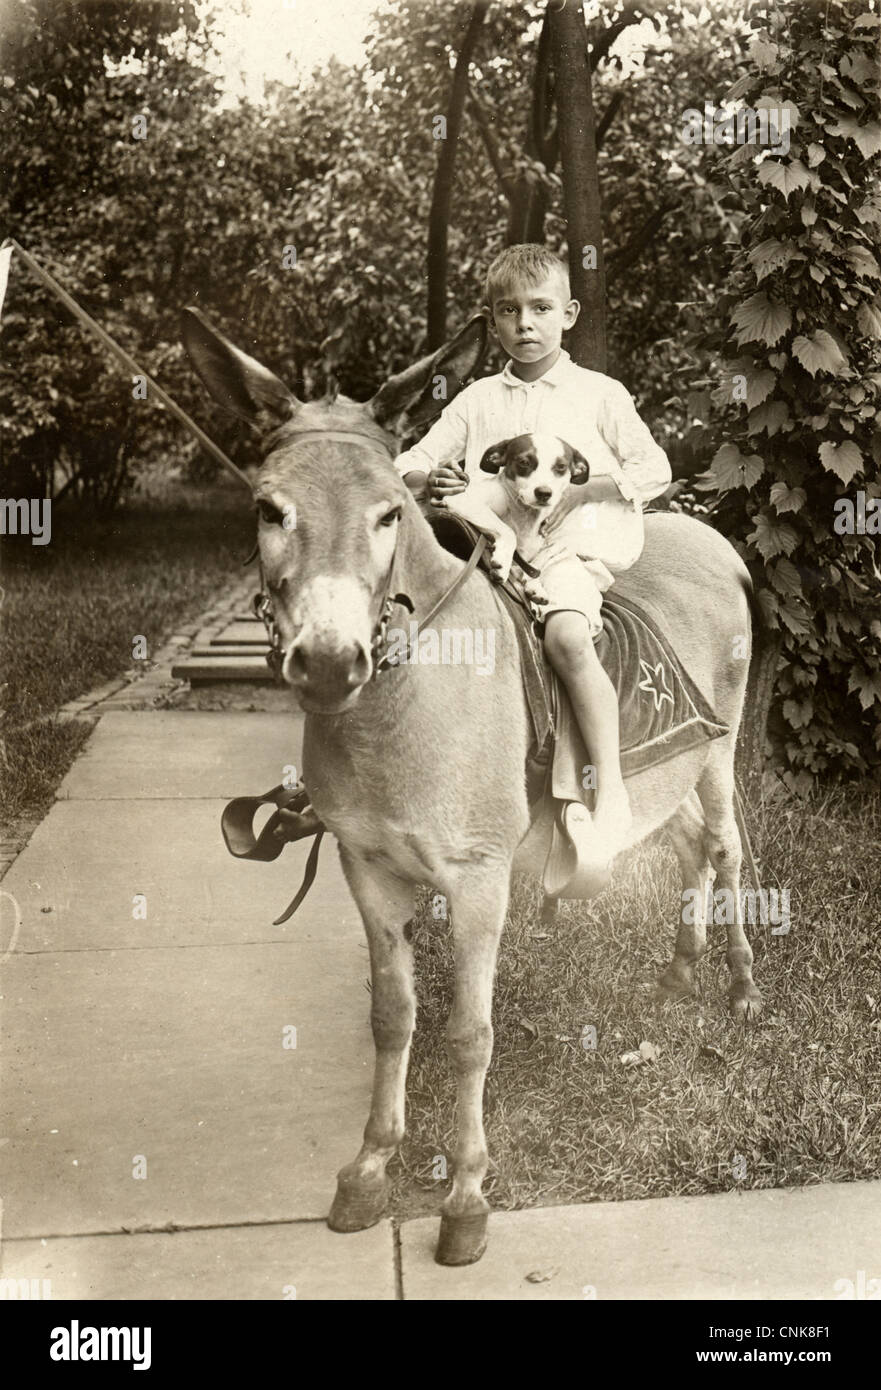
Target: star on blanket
655	683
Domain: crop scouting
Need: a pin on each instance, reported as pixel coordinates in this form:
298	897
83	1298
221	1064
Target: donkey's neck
423	568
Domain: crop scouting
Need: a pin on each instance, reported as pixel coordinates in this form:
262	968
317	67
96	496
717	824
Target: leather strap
308	880
237	823
385	662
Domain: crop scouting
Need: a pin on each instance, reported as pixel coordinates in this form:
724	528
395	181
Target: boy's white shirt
592	412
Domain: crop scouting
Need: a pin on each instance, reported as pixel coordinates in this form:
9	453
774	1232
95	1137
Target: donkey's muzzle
325	678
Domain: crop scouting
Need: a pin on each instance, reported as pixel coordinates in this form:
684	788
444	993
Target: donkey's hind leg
687	831
716	791
386	905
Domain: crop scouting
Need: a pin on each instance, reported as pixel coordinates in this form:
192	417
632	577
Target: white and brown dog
531	474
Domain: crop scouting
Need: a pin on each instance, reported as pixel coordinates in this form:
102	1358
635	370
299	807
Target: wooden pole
128	361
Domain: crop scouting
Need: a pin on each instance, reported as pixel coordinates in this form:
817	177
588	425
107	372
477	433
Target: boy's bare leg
573	656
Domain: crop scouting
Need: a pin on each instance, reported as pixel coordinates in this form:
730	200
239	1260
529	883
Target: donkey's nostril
295	665
543	494
360	669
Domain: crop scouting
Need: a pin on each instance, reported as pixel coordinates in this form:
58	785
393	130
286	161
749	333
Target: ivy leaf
857	67
770	255
786	498
759	386
729	469
771	538
799	713
786	578
771	416
784	177
844	460
867	138
816	155
867	21
867	684
869	319
760	319
819	353
863	262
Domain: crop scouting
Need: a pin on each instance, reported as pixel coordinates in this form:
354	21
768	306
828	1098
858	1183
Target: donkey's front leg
478	904
386	905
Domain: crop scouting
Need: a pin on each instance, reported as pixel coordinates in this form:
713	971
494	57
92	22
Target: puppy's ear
578	466
494	457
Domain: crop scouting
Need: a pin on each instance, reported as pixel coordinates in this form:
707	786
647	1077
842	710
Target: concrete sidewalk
160	1140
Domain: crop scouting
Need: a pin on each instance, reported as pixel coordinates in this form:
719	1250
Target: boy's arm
645	468
444	442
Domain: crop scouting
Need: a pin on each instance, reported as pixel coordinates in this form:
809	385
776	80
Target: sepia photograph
440	586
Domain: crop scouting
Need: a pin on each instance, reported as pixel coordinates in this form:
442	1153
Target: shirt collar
554	376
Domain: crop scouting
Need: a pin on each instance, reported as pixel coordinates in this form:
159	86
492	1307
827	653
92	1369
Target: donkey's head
329	501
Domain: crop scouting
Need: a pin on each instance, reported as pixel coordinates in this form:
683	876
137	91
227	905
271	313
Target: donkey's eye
390	517
269	513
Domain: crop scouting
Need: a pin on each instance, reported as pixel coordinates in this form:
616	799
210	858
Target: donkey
419	773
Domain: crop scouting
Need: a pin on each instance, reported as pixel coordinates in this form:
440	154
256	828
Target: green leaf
869	319
787	499
760	319
784	177
819	353
844	460
771	538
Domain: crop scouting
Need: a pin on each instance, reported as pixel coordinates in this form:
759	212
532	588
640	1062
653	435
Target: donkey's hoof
462	1239
359	1202
744	1001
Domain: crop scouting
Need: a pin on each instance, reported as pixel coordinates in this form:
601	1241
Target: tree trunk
439	216
581	190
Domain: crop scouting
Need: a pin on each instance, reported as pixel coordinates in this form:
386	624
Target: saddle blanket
662	711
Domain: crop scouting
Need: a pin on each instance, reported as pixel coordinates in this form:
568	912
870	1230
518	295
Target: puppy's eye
391	517
269	513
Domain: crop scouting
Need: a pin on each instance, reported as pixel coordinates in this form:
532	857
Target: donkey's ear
578	466
494	457
234	379
415	396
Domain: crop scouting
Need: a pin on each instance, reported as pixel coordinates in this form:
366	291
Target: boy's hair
529	263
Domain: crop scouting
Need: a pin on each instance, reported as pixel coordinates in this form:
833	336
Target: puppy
531	474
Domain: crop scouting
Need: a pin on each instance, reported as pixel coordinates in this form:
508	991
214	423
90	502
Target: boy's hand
443	482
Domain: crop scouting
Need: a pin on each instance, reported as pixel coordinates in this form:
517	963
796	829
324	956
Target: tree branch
490	144
625	255
608	116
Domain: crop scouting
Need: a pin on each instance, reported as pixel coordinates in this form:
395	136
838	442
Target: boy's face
530	321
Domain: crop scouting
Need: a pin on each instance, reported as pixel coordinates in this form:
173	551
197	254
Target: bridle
392	597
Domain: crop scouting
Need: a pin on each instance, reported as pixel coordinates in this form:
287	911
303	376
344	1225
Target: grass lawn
790	1099
72	609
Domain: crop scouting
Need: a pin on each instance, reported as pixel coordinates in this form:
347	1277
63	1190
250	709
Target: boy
595	532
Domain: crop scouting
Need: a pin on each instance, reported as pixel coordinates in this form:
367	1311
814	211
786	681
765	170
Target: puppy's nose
542	494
